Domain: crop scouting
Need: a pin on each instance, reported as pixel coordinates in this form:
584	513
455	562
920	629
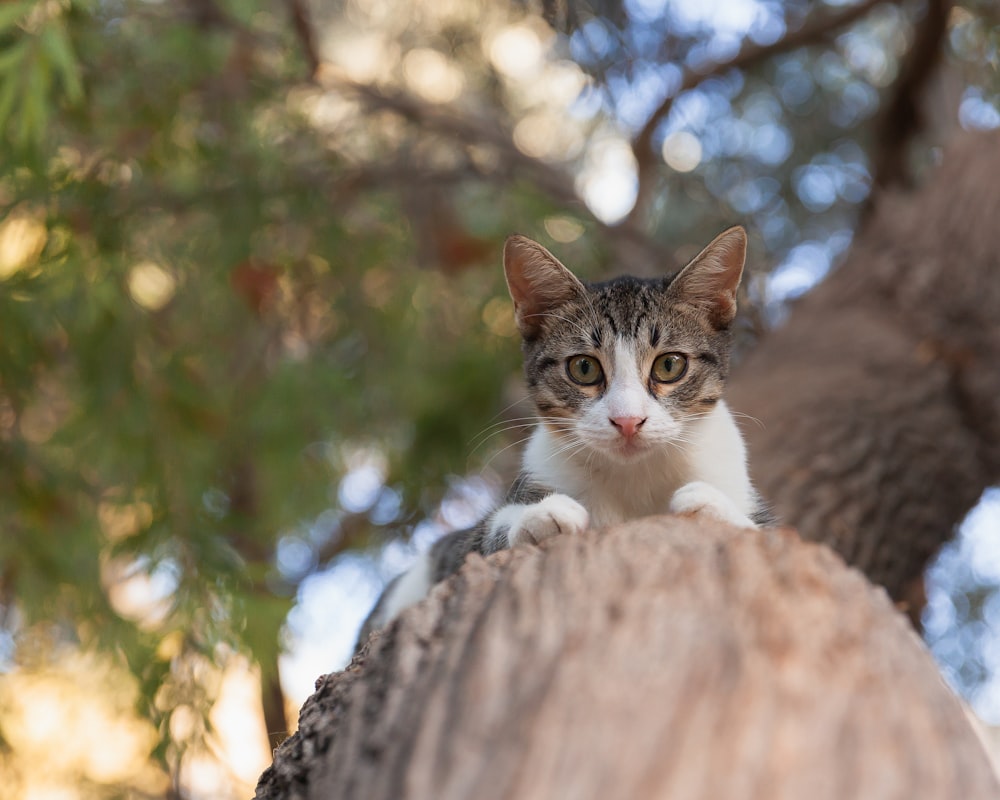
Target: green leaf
8	94
13	56
34	110
55	42
12	13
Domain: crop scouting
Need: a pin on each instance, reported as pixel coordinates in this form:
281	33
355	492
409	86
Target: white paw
556	514
699	497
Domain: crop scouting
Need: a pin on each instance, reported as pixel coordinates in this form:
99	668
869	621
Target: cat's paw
699	497
539	521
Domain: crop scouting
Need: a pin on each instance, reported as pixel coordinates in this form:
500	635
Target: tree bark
664	658
880	397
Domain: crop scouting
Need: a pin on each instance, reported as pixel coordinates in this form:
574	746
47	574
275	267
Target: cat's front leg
699	497
535	522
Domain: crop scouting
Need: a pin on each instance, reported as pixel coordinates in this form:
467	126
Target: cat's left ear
538	283
710	281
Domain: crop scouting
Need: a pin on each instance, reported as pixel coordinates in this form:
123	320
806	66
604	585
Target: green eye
584	370
669	367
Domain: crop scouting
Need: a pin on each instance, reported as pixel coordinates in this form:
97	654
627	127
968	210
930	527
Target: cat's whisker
568	440
501	452
502	411
552	424
507	425
574	445
747	416
481	438
532	418
514	424
583	331
504	450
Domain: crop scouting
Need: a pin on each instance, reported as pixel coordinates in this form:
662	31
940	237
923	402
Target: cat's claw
699	497
556	514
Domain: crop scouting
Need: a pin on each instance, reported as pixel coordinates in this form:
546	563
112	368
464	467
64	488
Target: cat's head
624	367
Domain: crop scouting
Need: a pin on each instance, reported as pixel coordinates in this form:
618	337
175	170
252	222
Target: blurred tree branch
812	32
902	118
628	242
302	25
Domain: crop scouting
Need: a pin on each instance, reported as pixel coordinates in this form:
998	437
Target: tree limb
878	397
813	32
666	657
630	244
902	118
302	25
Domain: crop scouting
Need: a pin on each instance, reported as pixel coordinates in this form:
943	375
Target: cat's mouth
631	448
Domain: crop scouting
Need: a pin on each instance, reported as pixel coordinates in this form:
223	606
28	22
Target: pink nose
628	426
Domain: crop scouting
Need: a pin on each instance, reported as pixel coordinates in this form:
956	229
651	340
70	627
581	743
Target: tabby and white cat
627	378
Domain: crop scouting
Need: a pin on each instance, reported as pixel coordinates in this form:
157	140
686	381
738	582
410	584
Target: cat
627	378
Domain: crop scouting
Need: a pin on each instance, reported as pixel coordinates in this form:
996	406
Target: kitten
627	378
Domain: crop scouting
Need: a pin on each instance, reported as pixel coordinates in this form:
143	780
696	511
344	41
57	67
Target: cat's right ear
538	283
710	281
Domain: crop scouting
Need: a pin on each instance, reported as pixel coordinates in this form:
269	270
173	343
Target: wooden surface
666	658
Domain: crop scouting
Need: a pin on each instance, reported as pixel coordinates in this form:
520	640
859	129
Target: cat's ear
709	282
538	283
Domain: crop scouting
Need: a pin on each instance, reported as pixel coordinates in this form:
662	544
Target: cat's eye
669	367
584	370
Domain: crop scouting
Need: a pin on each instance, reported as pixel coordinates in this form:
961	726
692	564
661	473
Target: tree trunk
664	658
880	398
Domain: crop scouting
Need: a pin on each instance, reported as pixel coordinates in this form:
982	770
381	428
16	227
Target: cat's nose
627	426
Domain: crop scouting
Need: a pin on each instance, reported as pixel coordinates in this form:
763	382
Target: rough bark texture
665	658
880	397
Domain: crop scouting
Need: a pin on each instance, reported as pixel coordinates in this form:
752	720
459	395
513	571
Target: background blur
255	348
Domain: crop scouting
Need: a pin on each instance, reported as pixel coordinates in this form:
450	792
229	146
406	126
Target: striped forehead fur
631	308
638	313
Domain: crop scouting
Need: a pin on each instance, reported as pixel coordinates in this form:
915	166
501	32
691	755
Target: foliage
241	249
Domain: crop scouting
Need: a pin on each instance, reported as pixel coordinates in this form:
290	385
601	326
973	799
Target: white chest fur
712	451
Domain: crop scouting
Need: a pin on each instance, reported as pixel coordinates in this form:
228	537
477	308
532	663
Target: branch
466	129
923	271
304	31
638	661
902	118
813	32
630	245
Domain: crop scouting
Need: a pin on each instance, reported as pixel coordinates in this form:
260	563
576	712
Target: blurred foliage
245	247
